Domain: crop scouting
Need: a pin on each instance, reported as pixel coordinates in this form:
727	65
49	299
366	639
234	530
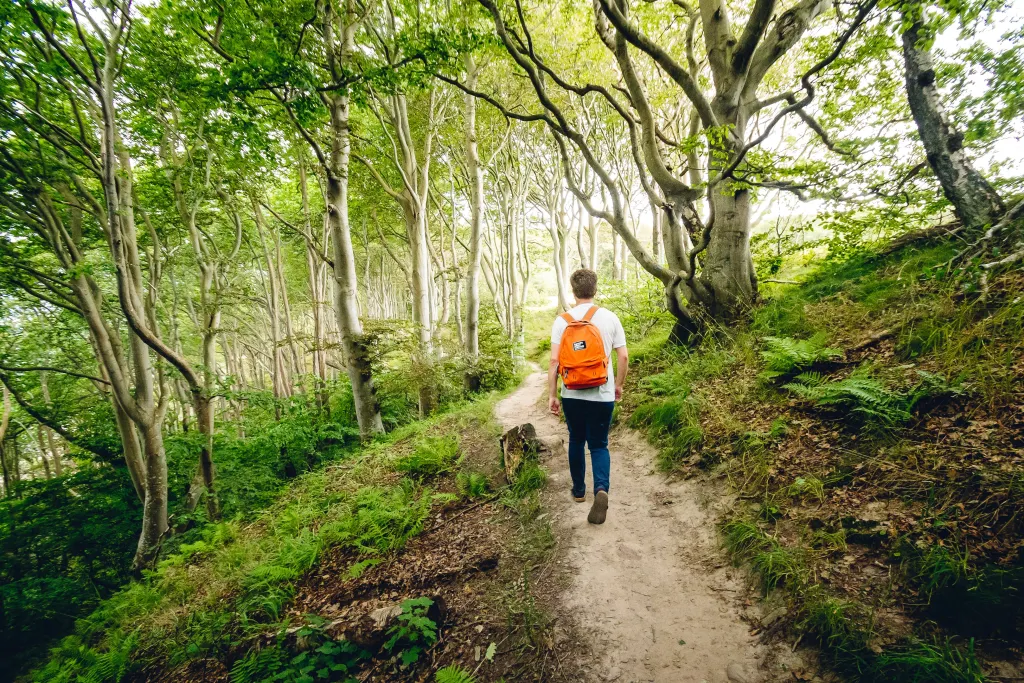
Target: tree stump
517	444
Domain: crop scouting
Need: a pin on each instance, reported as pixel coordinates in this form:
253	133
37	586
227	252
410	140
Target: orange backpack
582	362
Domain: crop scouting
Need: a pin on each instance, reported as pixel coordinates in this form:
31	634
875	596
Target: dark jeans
588	423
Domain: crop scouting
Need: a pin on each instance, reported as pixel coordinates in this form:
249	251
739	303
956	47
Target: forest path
651	589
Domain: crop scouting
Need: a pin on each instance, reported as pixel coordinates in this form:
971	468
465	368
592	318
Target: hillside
870	424
860	463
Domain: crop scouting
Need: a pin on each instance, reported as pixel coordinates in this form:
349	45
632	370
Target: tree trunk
51	440
298	366
316	295
346	286
416	229
280	381
3	466
557	252
5	420
656	234
593	233
584	260
728	271
41	439
154	506
616	264
975	202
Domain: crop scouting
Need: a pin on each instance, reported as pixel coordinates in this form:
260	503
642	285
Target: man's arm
621	368
553	404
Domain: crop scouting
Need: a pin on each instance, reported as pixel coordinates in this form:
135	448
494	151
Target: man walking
582	341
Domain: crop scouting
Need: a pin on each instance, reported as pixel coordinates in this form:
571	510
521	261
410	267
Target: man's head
584	283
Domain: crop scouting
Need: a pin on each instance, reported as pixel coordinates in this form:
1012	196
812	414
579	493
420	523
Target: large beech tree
709	267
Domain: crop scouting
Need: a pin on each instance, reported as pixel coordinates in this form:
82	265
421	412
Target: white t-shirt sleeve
619	335
556	331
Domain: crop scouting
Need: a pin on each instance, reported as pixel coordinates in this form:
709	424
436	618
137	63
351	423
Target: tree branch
675	71
752	32
43	368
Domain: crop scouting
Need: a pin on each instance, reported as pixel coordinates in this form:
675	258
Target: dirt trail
650	588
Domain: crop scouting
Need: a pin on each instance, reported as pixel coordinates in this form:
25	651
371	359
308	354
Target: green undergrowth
865	421
233	582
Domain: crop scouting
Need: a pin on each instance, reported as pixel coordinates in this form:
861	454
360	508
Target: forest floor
841	503
650	591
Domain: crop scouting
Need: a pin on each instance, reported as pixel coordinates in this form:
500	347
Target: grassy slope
233	601
879	463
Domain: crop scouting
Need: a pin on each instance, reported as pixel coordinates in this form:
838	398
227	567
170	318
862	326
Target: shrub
432	456
785	356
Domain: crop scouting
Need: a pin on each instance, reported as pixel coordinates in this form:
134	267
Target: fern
785	356
472	484
432	456
384	519
867	398
259	665
453	674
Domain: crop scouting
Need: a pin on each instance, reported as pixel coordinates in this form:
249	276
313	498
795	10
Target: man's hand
618	392
553	405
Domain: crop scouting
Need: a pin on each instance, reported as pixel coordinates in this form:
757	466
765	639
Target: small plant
432	456
877	407
453	674
777	565
663	417
679	448
838	625
829	541
807	485
382	519
322	659
938	662
778	429
472	484
530	477
523	612
414	632
784	356
744	538
675	422
941	566
933	387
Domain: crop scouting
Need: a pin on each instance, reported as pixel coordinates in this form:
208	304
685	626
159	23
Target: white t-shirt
614	337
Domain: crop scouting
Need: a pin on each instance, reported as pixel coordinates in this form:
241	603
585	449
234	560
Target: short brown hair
584	283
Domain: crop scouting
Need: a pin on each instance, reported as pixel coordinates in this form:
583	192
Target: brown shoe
580	499
600	508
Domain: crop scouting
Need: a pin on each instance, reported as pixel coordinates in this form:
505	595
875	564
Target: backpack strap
590	314
569	320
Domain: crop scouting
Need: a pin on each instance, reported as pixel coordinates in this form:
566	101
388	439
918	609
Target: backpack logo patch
579	345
